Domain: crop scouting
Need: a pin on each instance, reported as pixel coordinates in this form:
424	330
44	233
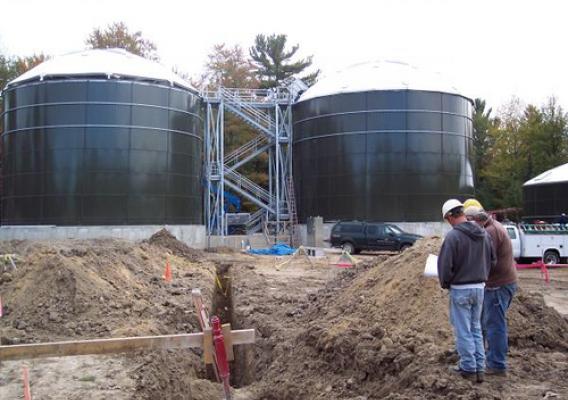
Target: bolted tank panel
384	155
101	152
546	201
546	195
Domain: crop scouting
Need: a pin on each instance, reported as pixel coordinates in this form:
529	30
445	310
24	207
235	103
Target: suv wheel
404	247
348	247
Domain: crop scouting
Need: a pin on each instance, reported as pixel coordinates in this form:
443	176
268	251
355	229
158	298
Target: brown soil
96	289
108	288
163	238
383	332
378	330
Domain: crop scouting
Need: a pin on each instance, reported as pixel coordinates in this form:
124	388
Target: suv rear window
372	230
351	228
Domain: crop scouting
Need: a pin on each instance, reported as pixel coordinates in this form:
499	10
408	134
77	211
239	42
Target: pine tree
274	63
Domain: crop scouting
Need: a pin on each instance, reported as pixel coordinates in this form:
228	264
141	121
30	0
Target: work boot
470	376
496	372
480	376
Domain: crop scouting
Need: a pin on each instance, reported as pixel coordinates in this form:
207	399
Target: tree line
269	60
514	145
510	146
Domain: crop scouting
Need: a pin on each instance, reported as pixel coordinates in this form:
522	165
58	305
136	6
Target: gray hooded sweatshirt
466	256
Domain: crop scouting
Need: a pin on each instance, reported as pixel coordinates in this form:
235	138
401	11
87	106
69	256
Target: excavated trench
166	364
222	303
222	306
253	296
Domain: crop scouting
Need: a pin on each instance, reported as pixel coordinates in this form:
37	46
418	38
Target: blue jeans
465	316
495	306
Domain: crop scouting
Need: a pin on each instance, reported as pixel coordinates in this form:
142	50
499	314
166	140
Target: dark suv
354	236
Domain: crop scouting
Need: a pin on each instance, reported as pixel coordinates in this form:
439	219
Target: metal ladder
292	213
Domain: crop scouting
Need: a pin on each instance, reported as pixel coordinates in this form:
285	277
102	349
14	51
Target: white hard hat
449	205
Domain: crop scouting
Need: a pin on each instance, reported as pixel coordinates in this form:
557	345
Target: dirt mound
533	324
95	289
165	239
384	333
109	288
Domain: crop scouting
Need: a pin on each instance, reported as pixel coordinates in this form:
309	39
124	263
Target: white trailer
546	242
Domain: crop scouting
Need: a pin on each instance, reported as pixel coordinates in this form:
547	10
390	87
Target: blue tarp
276	250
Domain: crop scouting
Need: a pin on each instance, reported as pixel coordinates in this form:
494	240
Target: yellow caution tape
218	281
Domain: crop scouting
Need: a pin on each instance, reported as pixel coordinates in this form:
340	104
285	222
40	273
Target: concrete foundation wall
256	241
192	235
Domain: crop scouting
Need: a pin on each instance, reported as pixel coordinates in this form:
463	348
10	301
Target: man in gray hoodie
464	262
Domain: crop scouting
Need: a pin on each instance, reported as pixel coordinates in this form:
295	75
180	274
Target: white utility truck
546	242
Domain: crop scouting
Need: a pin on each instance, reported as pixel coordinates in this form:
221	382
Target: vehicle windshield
396	229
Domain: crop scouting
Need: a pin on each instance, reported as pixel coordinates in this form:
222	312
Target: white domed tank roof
112	63
378	75
554	175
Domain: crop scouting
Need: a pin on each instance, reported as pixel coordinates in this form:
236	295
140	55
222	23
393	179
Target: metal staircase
247	152
256	221
241	104
247	188
268	112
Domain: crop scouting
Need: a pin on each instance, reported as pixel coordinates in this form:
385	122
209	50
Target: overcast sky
490	49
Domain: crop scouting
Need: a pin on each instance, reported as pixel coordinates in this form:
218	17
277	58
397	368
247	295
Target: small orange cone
344	262
168	271
26	378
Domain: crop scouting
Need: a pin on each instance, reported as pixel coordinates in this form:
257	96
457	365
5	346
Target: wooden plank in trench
115	345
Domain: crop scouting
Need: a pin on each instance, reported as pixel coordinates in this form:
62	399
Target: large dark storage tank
546	195
381	141
101	137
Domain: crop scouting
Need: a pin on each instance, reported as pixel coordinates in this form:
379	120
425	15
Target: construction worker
464	262
499	289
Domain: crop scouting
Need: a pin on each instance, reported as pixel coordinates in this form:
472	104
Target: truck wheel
551	257
348	247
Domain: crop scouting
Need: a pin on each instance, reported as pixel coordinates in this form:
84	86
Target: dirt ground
376	331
